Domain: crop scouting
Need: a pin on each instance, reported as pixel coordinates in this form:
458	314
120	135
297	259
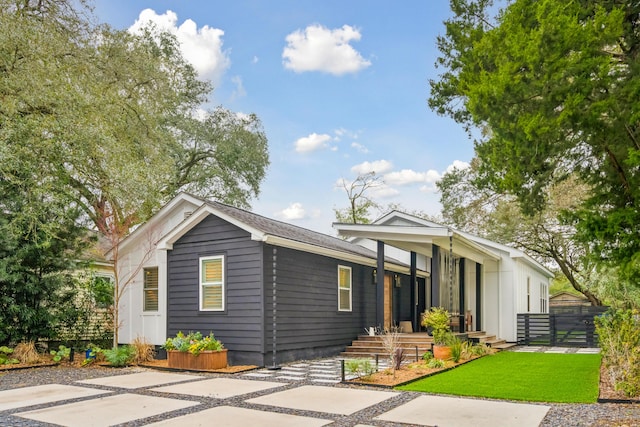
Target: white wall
490	298
134	322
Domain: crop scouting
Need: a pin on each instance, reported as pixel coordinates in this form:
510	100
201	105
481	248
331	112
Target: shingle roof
291	232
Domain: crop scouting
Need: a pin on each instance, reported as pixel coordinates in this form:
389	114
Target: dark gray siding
308	323
240	326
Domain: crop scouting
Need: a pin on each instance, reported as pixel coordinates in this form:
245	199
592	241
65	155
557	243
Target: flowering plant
194	343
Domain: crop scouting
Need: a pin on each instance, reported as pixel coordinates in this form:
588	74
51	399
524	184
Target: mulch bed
608	392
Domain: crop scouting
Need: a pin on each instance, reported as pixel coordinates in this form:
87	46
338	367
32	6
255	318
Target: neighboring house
273	292
468	274
567	299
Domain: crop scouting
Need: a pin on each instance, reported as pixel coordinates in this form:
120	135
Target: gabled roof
278	233
408	232
161	215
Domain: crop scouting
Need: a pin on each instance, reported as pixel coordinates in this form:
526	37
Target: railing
559	328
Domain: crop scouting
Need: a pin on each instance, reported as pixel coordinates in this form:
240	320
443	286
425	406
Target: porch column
414	292
380	286
461	293
435	277
478	296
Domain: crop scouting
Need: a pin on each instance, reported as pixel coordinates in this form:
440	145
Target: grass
534	377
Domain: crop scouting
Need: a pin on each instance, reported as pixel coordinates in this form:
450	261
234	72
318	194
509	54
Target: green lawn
534	377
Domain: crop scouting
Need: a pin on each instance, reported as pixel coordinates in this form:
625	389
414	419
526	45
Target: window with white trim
212	283
150	289
528	295
344	288
544	290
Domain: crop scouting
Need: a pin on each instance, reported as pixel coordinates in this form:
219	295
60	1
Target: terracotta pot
206	360
442	352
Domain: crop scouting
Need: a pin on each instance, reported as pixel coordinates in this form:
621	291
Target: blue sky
341	88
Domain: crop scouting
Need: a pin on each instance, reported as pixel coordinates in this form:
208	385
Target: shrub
119	356
5	359
619	336
62	353
359	367
427	356
26	353
437	319
435	364
456	350
142	351
194	343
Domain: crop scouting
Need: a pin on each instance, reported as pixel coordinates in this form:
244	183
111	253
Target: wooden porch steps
370	346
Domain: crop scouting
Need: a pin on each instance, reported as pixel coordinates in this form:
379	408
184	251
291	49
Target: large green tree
545	234
115	118
556	84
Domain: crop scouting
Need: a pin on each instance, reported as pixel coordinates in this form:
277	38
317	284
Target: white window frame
342	288
202	284
544	303
144	289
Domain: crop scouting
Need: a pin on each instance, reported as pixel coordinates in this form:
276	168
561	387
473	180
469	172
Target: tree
556	83
546	234
38	252
359	201
115	117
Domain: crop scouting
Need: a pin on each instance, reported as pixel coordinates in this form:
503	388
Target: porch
414	344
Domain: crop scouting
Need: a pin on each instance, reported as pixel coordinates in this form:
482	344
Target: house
568	299
484	283
273	292
270	291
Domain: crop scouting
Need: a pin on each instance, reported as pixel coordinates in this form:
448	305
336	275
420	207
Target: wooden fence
565	328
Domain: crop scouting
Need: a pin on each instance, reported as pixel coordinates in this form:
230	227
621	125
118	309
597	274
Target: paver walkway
299	394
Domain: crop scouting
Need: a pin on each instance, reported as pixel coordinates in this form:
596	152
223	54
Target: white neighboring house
143	304
497	282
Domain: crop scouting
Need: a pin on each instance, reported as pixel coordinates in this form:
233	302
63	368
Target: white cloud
457	164
201	47
293	212
378	166
239	91
318	48
408	176
360	148
312	142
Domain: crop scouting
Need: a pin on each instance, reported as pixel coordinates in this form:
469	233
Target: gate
566	327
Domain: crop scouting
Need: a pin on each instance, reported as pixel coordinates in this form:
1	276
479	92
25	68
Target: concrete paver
37	395
139	380
106	411
342	401
461	412
219	388
229	416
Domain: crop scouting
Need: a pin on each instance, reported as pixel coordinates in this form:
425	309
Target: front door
388	302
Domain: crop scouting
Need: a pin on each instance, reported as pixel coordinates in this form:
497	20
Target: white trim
340	288
201	283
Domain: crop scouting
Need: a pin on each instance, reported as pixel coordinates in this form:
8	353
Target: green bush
62	353
619	336
435	364
359	367
4	356
427	356
119	356
194	343
456	350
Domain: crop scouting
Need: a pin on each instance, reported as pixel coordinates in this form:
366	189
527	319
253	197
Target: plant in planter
437	319
194	351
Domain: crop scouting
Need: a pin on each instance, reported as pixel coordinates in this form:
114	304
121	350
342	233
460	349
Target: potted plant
437	320
194	351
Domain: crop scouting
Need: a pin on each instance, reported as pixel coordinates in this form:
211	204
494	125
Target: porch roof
418	239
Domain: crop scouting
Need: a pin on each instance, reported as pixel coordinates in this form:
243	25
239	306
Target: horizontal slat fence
564	327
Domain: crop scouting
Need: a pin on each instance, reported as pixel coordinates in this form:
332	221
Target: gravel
609	414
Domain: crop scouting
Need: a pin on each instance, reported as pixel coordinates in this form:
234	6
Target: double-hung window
150	289
212	285
344	288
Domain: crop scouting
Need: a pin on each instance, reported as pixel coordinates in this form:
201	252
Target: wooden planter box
207	360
